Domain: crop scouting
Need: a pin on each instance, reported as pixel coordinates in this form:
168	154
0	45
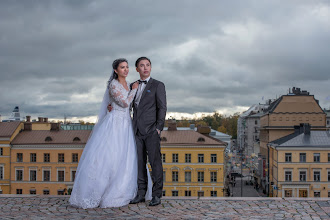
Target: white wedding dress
107	172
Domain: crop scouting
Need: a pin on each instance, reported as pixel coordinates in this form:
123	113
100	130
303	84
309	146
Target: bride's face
122	70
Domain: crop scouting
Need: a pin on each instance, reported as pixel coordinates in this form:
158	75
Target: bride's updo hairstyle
115	65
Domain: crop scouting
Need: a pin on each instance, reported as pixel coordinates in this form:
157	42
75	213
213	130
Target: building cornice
68	147
4	145
4	138
192	146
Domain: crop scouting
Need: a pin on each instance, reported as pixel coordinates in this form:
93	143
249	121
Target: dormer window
48	138
201	139
163	139
76	139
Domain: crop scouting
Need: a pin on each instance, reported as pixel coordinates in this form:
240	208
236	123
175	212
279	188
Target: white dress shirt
139	93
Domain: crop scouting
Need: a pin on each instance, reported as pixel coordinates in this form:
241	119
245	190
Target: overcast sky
56	56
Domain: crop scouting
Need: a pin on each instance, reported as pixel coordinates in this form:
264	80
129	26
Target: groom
149	110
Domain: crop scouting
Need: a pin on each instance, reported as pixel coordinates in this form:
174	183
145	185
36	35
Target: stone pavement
57	207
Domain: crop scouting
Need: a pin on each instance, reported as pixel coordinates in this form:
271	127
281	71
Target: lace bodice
121	99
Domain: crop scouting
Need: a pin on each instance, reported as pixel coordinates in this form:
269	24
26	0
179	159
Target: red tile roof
8	128
56	137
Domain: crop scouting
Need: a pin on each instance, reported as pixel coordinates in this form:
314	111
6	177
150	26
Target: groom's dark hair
141	58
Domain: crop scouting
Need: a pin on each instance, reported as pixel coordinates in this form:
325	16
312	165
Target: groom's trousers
149	145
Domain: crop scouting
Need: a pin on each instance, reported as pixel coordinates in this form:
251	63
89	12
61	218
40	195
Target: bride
107	172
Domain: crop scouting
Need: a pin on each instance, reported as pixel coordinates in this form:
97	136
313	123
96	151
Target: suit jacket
151	111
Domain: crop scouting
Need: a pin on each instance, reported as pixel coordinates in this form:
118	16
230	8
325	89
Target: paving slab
58	207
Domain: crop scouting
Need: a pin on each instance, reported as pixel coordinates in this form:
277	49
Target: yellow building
8	131
280	119
193	163
45	161
301	164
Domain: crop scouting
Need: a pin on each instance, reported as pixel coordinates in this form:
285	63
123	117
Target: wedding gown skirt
107	171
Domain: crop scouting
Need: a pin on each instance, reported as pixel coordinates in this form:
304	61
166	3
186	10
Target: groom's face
144	68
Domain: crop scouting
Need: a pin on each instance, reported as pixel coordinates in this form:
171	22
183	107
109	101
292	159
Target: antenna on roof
65	119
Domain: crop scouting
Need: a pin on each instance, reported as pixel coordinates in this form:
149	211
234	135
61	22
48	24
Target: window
33	157
288	176
163	158
46	192
175	193
188	158
256	122
1	173
187	193
164	192
328	175
213	193
302	157
1	151
288	193
213	158
317	194
213	177
76	139
316	157
288	157
19	191
46	157
328	157
164	176
317	176
33	175
302	176
187	177
61	158
19	157
175	176
175	158
73	175
75	158
200	177
200	193
201	139
19	175
46	175
33	191
60	192
200	158
60	175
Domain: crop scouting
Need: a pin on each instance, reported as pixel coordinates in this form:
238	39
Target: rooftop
8	128
57	207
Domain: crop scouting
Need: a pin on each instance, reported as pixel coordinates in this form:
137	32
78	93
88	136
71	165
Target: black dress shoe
137	199
155	201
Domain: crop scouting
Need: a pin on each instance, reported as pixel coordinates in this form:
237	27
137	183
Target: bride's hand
135	85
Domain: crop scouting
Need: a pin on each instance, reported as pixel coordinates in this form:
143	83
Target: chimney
307	129
40	119
204	129
28	118
55	126
172	125
46	120
27	126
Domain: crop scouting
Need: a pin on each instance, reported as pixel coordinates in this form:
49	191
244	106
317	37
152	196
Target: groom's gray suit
148	116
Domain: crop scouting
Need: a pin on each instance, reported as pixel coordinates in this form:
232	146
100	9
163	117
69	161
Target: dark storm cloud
55	56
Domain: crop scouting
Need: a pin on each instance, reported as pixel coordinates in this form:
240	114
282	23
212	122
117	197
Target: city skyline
222	56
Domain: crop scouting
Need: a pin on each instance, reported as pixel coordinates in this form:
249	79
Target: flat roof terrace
57	207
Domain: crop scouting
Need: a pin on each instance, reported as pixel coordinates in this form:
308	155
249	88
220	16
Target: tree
222	129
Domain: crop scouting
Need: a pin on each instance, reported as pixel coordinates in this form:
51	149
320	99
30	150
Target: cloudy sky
56	56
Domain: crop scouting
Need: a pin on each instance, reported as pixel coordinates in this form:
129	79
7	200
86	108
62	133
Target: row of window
175	158
187	176
302	193
1	151
303	176
60	157
45	191
1	173
302	157
188	193
46	175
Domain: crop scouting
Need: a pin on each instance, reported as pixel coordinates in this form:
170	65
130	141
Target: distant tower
15	115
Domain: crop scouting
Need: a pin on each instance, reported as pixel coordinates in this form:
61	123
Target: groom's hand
109	108
158	131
